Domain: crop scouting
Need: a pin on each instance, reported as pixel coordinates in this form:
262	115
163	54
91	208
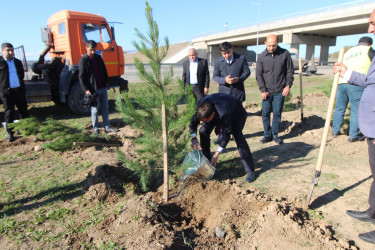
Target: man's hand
205	91
286	91
195	144
264	95
230	80
214	159
88	92
340	67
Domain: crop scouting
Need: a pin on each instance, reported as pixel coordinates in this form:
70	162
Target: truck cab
65	38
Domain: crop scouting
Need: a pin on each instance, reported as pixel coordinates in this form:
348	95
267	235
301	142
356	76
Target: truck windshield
105	35
91	32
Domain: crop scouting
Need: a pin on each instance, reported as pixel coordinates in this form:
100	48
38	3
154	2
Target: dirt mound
248	218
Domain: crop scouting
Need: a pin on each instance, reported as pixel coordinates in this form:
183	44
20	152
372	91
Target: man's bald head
271	43
193	54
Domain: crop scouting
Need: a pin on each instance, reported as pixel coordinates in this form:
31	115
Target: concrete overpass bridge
320	29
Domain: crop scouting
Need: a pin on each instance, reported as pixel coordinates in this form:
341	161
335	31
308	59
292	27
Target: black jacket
4	73
228	113
238	68
203	74
86	73
274	71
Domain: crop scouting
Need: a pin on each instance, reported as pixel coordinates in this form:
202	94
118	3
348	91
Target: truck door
107	47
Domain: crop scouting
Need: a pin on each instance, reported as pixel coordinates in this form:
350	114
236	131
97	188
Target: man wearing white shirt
12	87
196	74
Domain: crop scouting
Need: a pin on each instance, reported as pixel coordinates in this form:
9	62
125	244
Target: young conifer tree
142	107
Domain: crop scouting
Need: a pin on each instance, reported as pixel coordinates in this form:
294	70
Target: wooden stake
300	88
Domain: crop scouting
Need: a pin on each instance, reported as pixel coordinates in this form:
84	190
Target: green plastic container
195	164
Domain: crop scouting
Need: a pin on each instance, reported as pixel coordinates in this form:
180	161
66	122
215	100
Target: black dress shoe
278	140
265	139
369	237
335	134
358	138
362	216
250	177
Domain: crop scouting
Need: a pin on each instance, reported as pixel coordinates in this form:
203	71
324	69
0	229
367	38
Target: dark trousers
198	94
11	98
371	154
243	148
274	103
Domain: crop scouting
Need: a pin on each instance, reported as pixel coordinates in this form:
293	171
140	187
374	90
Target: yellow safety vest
357	60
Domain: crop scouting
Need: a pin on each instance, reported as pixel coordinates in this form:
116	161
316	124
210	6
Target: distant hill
173	48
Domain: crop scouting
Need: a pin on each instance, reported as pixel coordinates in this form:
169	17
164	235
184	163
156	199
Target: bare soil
270	213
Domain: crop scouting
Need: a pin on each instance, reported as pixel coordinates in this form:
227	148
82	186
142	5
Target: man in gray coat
366	120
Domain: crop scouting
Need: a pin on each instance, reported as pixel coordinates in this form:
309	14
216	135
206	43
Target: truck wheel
75	99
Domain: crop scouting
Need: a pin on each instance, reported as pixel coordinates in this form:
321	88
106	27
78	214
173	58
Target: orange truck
65	38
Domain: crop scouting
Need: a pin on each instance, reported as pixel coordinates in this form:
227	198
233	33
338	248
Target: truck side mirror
113	33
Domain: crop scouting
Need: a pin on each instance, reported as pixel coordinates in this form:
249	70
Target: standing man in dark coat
231	70
274	74
93	78
366	120
195	73
225	110
12	87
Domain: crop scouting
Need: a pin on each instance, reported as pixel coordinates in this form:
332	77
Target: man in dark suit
231	70
366	120
12	87
195	73
225	110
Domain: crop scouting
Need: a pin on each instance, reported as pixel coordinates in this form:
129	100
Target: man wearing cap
195	72
12	87
357	59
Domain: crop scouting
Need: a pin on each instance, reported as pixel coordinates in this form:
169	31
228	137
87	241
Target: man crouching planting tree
224	111
153	108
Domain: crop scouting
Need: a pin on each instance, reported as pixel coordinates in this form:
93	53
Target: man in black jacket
195	72
94	80
12	87
225	110
274	74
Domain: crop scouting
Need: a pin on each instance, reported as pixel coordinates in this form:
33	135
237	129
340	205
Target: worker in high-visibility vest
357	59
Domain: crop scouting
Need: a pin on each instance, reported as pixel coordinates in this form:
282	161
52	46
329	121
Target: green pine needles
58	136
142	108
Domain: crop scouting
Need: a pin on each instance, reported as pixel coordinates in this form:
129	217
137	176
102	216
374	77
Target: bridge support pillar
310	49
294	48
323	55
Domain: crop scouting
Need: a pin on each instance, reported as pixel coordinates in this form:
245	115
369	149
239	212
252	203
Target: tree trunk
165	154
